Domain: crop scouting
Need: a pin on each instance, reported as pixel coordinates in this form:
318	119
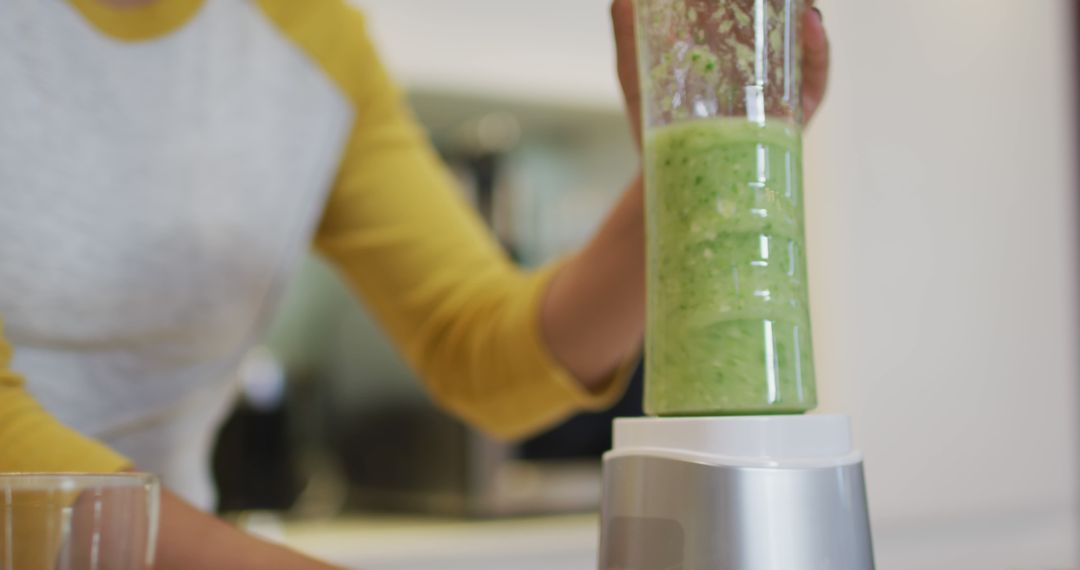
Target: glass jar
728	326
78	521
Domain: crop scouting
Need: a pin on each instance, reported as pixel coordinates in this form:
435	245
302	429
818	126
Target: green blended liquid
728	317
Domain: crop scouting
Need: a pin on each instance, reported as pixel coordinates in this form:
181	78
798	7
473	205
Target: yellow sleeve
466	319
32	441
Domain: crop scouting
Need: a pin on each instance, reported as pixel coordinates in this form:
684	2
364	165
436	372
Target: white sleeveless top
154	198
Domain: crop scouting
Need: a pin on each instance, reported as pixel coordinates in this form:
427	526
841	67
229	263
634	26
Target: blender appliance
727	473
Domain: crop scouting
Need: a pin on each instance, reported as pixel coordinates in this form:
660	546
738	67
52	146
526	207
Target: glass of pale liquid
67	521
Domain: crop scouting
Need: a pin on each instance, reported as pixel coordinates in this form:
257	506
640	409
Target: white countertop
408	543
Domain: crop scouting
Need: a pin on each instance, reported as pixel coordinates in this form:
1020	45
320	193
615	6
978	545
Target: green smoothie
728	318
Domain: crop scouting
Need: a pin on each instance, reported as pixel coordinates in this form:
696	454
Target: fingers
619	8
815	60
622	21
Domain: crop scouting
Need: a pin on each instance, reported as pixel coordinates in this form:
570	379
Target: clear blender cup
70	521
728	321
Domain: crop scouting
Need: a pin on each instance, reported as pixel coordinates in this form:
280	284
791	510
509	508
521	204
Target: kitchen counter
412	543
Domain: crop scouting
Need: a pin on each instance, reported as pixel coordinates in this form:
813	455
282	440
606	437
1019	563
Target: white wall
942	228
549	50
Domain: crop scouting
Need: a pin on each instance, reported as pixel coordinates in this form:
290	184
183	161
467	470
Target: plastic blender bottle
728	319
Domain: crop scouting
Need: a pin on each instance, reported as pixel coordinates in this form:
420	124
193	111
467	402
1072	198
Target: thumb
815	61
622	20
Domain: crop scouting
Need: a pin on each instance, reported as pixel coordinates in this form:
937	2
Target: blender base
734	493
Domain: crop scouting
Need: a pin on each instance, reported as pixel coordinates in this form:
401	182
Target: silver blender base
674	509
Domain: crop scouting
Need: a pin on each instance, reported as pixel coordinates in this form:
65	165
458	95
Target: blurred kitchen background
941	184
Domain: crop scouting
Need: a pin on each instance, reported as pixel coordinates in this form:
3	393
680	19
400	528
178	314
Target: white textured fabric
154	197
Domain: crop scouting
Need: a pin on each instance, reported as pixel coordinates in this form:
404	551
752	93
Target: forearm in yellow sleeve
469	325
466	319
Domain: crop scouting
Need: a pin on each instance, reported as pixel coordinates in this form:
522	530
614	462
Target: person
164	164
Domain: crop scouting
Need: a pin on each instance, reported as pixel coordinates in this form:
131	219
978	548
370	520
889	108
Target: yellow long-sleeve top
162	171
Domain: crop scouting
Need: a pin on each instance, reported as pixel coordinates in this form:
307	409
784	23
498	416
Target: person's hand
815	60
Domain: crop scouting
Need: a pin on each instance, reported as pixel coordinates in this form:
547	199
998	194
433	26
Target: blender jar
728	326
